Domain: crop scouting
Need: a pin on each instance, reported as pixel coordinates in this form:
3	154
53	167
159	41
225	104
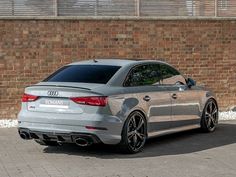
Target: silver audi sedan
121	102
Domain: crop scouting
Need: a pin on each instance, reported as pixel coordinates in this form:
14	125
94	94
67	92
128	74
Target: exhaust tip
25	135
82	142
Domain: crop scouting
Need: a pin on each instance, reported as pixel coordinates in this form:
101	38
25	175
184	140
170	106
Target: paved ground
184	155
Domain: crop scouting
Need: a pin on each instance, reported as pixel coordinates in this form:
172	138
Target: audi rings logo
53	93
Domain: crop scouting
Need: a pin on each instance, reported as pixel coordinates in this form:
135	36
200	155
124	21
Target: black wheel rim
211	115
136	132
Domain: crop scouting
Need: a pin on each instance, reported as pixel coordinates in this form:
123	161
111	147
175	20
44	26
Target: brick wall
31	49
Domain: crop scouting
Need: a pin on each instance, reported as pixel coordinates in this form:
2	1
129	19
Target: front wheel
210	116
134	133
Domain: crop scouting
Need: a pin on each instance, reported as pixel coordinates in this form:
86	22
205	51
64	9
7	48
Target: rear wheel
210	116
134	133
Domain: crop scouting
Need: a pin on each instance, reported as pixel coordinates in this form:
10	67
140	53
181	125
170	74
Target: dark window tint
171	76
84	73
144	75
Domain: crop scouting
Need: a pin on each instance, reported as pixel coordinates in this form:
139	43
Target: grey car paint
168	108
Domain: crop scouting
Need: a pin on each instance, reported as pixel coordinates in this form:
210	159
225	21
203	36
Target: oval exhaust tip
24	135
82	142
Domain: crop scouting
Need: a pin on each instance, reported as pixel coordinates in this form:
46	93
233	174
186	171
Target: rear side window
100	74
144	75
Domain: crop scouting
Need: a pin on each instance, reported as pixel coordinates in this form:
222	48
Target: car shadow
181	143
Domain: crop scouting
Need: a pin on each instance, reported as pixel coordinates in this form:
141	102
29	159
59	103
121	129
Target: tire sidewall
203	119
124	141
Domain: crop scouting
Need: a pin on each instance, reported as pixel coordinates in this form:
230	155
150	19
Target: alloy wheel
136	132
211	115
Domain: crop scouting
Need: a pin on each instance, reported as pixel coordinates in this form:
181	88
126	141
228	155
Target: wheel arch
207	95
211	98
140	110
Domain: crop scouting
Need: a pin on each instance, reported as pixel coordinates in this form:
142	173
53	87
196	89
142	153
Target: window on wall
223	4
190	4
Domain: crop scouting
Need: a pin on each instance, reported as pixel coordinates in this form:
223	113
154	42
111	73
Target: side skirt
172	130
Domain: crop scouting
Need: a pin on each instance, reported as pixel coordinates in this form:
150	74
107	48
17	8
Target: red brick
32	49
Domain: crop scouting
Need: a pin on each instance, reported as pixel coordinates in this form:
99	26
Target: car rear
66	107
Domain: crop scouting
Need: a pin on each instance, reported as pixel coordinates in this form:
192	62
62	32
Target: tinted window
171	76
84	73
144	75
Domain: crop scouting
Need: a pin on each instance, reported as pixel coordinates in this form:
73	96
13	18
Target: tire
209	118
134	133
47	143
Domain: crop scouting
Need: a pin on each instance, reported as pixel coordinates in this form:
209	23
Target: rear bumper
63	127
59	137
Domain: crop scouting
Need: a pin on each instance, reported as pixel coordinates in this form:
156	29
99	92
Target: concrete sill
133	18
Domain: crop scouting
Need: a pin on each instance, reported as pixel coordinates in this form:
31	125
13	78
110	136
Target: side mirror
191	82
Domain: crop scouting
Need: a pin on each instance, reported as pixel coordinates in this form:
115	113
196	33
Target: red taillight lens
93	100
28	98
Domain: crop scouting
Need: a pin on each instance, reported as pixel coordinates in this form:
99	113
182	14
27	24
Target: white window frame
223	4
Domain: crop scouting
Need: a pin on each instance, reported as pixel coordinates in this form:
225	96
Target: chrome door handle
174	96
146	98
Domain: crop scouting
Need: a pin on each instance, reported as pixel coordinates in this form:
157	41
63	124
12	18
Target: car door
146	79
185	100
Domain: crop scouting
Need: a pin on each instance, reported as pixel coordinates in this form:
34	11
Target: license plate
50	103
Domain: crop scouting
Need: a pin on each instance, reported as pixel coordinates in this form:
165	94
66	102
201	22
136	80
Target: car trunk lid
56	97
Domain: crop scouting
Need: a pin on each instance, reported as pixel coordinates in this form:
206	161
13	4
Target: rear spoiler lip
59	86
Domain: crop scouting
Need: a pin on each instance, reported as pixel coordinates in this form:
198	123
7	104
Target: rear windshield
100	74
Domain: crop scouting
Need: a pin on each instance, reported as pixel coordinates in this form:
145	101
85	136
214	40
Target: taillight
93	100
28	98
